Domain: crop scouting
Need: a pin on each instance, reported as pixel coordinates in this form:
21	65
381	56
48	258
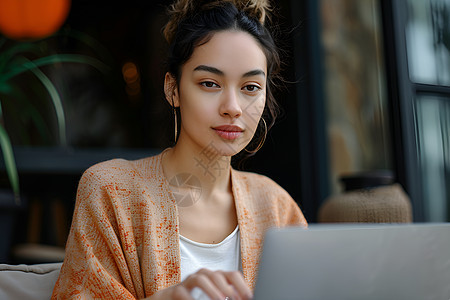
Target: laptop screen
379	261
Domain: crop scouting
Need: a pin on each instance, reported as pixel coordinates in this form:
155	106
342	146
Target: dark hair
198	27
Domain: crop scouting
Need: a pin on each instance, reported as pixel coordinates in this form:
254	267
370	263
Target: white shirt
225	256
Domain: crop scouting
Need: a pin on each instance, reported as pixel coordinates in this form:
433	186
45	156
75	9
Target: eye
251	88
209	84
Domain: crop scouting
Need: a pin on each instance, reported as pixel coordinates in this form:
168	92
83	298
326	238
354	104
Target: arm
95	265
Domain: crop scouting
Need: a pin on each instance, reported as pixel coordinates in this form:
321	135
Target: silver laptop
361	262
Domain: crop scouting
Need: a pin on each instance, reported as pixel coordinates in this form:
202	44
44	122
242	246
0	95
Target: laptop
364	262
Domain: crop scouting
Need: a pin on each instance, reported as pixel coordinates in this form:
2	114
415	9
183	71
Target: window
418	45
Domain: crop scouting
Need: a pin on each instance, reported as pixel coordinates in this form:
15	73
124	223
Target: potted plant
24	55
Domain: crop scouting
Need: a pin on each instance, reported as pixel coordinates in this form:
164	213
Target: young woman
184	221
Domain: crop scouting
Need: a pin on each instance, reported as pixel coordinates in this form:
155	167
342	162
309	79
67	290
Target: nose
230	105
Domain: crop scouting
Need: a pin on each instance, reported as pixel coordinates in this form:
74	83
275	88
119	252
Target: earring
262	141
175	119
176	124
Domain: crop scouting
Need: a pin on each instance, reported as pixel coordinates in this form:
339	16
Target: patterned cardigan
124	239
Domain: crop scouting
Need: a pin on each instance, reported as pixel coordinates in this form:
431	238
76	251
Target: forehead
233	52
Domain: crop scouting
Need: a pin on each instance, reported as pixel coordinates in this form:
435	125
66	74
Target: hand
215	284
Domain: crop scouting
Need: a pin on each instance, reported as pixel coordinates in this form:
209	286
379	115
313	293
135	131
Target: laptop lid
410	261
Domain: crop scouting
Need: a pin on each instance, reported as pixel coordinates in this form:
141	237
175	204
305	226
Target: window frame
402	95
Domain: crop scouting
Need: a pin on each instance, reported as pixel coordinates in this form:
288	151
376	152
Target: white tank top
225	255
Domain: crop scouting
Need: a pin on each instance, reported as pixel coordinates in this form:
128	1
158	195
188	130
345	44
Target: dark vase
367	180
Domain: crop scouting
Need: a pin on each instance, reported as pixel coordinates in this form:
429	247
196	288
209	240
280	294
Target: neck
209	169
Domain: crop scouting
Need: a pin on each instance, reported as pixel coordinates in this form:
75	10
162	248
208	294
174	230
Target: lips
229	132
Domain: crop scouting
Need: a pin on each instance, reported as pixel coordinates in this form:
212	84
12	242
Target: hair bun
258	9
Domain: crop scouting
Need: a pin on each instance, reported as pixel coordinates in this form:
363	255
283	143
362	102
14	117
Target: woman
184	221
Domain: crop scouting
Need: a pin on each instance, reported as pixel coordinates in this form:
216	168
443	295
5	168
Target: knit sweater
124	238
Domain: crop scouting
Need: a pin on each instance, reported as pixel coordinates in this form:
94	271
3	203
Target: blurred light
132	79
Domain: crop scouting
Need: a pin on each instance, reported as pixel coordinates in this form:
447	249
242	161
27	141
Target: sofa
31	282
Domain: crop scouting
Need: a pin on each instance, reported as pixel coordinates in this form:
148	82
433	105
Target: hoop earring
262	141
175	119
176	124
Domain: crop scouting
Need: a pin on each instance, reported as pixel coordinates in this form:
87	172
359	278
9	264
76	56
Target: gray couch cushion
28	281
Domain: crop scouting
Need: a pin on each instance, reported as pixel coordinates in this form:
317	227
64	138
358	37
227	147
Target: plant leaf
38	121
56	58
10	163
18	104
10	53
57	103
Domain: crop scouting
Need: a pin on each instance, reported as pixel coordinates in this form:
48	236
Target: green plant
17	58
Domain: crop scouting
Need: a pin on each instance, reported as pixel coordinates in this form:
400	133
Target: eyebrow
256	72
209	69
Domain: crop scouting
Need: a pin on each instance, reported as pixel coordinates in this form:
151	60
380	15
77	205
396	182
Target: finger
201	280
221	282
238	282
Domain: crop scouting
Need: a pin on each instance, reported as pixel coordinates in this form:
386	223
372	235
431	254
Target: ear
171	90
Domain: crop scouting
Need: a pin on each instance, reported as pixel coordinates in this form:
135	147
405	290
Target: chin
224	148
231	149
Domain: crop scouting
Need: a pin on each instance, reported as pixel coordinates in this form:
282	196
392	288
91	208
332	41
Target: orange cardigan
124	239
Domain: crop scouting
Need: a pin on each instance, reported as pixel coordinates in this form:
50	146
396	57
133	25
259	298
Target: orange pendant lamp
32	19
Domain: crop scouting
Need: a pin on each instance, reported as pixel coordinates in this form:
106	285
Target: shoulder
119	170
257	183
116	181
267	199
